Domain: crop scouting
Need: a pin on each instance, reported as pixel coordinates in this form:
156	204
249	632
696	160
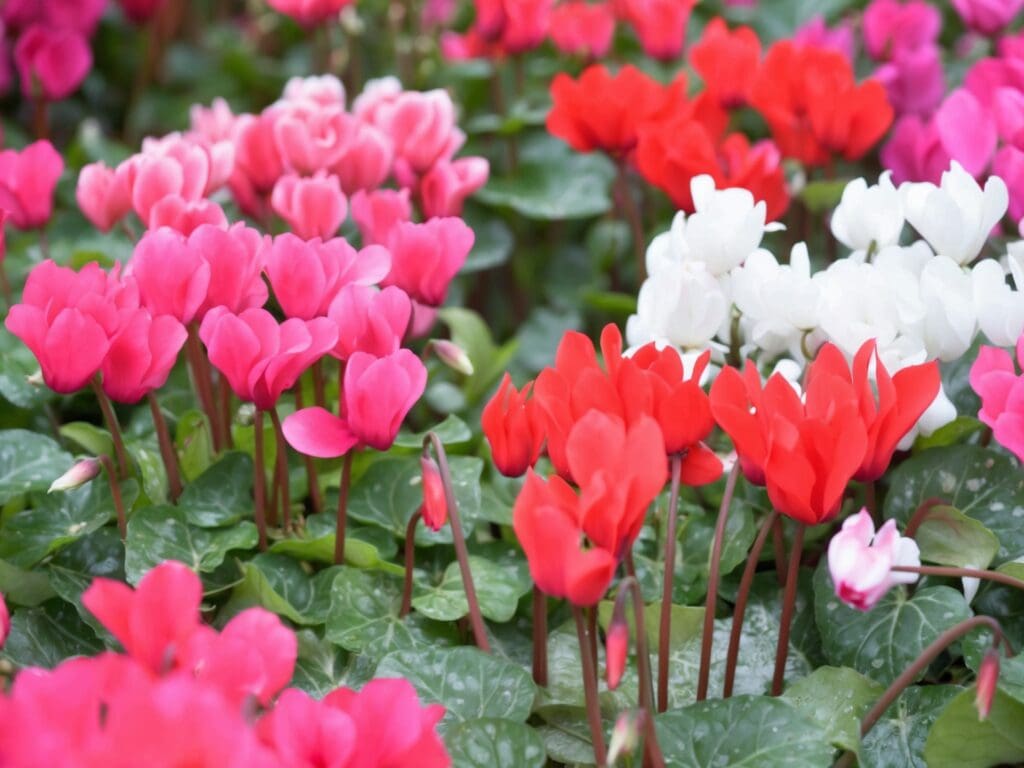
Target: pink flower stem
540	637
707	639
112	426
201	383
115	491
920	664
476	619
631	215
589	666
668	577
788	608
282	470
746	581
319	391
312	479
410	562
630	587
40	118
339	531
167	452
259	479
962	573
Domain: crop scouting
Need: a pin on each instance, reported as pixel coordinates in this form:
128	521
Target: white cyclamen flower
682	304
999	308
325	90
869	215
956	217
951	321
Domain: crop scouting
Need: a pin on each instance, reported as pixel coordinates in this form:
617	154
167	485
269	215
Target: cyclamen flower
141	355
868	217
51	62
660	25
1001	389
514	427
309	13
727	62
312	207
892	26
988	17
27	182
861	560
582	29
104	194
426	257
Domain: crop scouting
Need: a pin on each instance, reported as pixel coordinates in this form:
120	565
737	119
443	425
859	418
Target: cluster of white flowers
709	278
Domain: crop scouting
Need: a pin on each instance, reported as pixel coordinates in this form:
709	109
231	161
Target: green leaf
47	635
471	333
194	444
363	616
469	683
492	247
100	554
698	533
16	365
897	740
23	587
958	739
882	642
499	585
982	483
957	431
29	461
685	621
391	490
365	547
836	698
822	196
222	494
566	735
320	666
163	533
743	730
89	437
949	537
451	431
492	743
146	454
281	585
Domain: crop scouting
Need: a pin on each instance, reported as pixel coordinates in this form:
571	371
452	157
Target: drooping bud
452	355
988	676
616	648
435	506
80	474
625	736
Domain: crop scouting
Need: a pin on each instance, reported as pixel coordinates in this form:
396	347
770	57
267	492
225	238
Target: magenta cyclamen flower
988	17
426	257
141	355
370	320
27	181
312	207
51	62
1001	390
861	561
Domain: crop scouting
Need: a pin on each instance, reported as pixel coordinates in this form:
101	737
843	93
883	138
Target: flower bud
625	736
80	474
616	647
435	506
988	676
5	621
36	379
452	355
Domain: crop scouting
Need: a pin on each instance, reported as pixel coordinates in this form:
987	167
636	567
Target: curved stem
668	577
312	479
201	382
746	581
921	514
282	470
631	213
920	664
540	637
962	573
115	491
708	636
342	518
476	620
410	562
259	477
589	667
115	431
788	607
167	452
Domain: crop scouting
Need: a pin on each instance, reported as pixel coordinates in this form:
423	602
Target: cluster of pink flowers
1001	390
185	694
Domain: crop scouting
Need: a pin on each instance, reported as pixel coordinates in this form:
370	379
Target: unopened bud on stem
80	474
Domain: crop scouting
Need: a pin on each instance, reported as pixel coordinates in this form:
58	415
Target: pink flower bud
79	474
616	648
625	736
435	506
988	677
452	355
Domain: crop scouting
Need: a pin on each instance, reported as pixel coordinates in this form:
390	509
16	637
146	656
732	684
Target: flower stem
746	581
167	452
788	607
259	478
410	562
540	638
631	214
115	491
961	573
779	551
589	667
282	470
921	514
112	426
312	479
920	664
708	636
224	396
5	286
319	390
476	620
339	530
668	576
201	383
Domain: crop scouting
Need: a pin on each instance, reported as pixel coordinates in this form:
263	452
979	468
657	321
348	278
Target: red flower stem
630	587
962	573
312	479
410	562
920	664
540	637
788	607
339	529
167	452
779	551
708	636
746	581
592	634
921	514
319	390
201	383
631	214
259	477
224	396
115	491
115	431
40	120
282	470
590	688
668	577
476	619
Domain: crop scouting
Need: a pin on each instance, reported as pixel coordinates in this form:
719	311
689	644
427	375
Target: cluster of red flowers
185	694
808	96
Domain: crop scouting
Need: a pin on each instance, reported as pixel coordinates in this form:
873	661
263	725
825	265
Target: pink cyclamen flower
81	16
818	34
892	27
423	128
861	561
51	62
365	159
312	207
259	357
27	182
235	257
307	275
173	279
310	137
426	257
968	130
988	17
104	194
257	157
309	13
1001	390
915	151
378	393
1008	164
186	216
914	80
369	320
376	213
445	187
583	29
141	355
304	731
214	123
322	90
141	11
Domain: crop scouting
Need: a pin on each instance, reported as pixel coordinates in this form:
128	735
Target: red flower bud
988	676
616	648
435	506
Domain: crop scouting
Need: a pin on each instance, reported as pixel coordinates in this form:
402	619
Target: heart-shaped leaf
493	743
29	461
